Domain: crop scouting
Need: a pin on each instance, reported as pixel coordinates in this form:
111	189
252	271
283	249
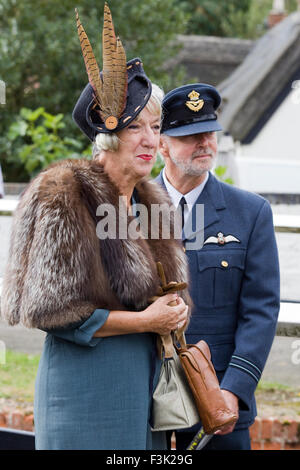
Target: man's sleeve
258	310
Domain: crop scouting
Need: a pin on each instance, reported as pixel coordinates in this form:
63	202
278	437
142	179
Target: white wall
268	176
271	163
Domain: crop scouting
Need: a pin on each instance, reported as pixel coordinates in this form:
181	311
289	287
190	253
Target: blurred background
241	46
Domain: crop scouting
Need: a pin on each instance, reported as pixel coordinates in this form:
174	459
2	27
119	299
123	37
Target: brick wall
16	419
275	434
266	433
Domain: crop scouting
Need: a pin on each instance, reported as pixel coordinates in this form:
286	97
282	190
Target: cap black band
204	117
181	115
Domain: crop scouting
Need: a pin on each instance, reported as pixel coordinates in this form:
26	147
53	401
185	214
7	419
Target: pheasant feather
111	90
121	78
90	62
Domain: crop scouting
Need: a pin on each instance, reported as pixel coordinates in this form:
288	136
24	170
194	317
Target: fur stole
59	271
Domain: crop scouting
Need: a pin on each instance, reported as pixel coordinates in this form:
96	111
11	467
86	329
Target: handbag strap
168	341
167	346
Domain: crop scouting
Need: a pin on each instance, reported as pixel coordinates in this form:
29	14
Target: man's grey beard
188	168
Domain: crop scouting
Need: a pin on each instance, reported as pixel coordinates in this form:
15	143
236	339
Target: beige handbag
188	389
173	403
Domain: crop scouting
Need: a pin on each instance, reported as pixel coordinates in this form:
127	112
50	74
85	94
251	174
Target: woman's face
138	145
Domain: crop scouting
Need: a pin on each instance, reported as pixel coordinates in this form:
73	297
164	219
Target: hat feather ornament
110	88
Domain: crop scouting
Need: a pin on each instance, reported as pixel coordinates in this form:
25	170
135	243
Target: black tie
182	202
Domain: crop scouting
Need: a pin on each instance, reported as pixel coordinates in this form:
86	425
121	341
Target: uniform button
224	264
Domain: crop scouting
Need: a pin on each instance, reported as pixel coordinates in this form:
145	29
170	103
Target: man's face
192	154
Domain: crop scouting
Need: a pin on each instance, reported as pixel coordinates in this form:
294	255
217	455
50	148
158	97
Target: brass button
224	264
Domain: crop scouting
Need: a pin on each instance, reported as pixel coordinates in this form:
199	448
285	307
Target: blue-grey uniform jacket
235	288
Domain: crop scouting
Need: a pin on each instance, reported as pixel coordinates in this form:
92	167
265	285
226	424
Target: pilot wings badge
220	239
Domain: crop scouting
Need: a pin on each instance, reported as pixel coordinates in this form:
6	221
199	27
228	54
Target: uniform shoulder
233	193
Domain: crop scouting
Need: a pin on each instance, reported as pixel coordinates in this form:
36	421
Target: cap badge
194	103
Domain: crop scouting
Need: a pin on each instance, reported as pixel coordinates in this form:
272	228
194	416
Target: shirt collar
190	197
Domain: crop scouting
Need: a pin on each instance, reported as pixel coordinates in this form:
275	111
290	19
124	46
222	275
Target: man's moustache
203	152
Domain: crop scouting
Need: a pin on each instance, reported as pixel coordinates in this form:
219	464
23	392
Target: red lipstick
145	157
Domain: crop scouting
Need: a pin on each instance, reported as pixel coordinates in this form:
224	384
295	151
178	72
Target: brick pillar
275	434
277	13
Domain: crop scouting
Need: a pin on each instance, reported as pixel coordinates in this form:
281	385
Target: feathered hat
114	97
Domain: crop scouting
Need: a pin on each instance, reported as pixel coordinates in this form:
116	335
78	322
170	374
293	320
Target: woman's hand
161	318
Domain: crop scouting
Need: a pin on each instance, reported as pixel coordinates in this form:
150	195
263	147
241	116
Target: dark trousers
236	440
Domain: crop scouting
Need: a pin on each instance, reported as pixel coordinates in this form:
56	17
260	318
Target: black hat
114	97
86	111
190	109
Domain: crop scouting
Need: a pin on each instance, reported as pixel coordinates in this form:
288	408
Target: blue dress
95	393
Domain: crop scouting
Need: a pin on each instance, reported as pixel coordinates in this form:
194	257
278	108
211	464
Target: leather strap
166	348
168	343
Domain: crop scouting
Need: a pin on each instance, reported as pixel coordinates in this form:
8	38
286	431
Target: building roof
257	87
209	59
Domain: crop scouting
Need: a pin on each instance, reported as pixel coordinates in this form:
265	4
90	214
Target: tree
207	17
40	55
40	58
231	18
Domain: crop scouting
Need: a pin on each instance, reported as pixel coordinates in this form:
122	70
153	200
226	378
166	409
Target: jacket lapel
213	201
159	179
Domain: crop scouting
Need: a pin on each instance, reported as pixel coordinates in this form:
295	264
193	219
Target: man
235	274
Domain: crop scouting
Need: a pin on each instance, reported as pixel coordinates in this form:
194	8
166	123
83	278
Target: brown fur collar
59	271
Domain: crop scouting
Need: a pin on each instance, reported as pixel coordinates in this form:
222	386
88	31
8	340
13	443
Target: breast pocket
219	277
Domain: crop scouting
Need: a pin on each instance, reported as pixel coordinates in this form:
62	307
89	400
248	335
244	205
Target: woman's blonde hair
110	142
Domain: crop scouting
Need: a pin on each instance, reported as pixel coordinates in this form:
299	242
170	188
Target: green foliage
231	18
272	386
159	164
33	142
42	65
17	376
207	17
220	172
40	55
250	25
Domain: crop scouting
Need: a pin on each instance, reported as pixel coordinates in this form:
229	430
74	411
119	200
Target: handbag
173	405
200	373
188	389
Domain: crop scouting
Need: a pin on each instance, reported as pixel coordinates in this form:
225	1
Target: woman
91	291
